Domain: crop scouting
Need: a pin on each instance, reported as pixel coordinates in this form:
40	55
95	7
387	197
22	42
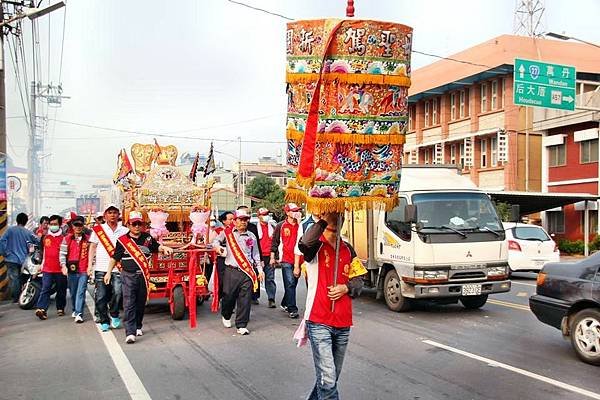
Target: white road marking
508	304
130	378
493	363
522	294
523	283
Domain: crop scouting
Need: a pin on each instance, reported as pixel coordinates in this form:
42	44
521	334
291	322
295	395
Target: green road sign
541	84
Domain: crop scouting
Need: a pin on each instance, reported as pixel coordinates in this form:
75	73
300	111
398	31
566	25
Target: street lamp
565	37
33	13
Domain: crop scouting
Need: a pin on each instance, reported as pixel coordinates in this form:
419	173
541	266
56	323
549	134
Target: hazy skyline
211	70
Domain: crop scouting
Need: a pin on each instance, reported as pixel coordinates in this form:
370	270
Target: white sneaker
78	319
243	331
226	322
130	339
73	315
139	332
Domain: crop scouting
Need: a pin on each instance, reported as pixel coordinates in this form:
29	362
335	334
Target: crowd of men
248	253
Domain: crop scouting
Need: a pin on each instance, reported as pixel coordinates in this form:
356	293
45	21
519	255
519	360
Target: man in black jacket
254	229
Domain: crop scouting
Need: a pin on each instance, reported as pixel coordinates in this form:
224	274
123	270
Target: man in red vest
328	314
52	273
284	250
74	253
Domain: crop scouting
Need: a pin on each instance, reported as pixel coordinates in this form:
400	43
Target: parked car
529	247
568	298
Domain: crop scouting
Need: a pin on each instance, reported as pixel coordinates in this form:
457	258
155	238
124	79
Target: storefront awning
532	202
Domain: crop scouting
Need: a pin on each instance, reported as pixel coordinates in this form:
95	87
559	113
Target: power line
62	46
169	134
261	10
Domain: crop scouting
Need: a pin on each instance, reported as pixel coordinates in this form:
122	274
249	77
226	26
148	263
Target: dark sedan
568	298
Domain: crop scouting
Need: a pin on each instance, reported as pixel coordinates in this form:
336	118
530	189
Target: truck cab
442	242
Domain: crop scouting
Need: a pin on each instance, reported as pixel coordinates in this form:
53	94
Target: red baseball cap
291	207
242	214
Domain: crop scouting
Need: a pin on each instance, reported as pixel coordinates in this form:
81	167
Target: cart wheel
178	303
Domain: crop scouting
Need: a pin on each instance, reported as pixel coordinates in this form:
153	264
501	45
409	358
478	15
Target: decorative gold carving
143	155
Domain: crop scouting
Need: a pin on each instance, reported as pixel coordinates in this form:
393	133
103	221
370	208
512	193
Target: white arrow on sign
522	71
568	99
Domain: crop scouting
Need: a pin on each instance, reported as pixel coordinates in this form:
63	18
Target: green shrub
571	246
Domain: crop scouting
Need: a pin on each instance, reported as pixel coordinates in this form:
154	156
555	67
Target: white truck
443	242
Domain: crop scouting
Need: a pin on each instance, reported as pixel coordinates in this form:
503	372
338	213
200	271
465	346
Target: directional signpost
541	84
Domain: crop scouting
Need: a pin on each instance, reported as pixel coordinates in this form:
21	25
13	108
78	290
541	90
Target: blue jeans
270	285
14	280
328	348
77	286
289	283
61	290
108	296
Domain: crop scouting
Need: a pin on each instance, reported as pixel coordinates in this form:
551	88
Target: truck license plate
471	290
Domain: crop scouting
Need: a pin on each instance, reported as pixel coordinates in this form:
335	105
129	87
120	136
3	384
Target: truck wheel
585	335
473	302
392	292
178	303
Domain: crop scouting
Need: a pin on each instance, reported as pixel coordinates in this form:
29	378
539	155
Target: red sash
142	262
104	239
241	258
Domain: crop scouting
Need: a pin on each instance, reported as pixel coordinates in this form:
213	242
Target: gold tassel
320	205
306	182
354	138
371	79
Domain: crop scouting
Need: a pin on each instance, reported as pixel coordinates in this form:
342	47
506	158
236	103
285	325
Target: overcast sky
213	69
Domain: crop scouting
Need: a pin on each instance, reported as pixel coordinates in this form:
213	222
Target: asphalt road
434	352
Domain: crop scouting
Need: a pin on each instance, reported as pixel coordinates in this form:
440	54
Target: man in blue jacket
14	246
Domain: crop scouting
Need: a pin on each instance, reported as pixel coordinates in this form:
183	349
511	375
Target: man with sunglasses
102	246
74	252
133	250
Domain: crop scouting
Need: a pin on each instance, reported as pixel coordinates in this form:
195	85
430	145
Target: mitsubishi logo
469	253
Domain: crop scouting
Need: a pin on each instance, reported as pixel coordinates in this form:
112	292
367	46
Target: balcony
544	118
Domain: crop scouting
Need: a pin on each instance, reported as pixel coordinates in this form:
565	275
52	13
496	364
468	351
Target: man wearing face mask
52	271
265	238
284	249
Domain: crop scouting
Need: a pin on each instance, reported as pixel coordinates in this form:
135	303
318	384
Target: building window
483	147
452	106
484	90
494	99
427	105
556	221
557	155
494	146
502	83
434	111
463	108
462	155
426	156
593	218
588	151
453	154
411	117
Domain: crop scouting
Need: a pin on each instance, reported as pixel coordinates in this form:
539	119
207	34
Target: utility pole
3	215
31	13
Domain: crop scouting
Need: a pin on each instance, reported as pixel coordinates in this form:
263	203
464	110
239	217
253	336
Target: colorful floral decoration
158	223
347	89
199	217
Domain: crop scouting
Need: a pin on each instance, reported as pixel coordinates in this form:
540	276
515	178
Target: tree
261	187
503	210
270	194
